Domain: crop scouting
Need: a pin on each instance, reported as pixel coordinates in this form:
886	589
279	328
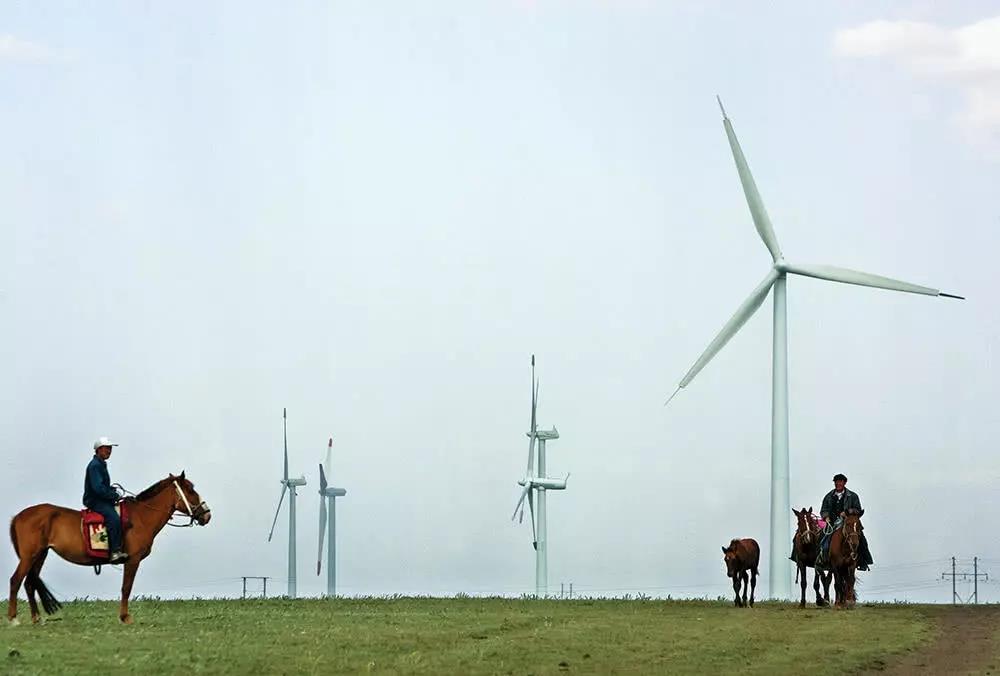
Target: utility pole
965	575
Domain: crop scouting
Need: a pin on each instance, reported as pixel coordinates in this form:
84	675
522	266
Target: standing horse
37	529
806	547
844	545
742	556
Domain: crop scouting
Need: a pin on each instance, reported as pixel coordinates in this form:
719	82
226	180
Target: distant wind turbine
535	481
288	484
328	496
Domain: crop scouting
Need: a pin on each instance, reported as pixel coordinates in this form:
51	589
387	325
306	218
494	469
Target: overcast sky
374	213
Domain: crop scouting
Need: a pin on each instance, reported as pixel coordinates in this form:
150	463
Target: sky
373	214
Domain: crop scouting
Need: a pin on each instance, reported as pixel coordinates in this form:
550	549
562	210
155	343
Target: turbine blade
322	480
329	451
531	508
835	274
284	487
743	313
761	221
520	502
322	532
284	426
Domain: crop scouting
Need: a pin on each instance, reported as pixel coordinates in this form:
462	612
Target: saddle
95	535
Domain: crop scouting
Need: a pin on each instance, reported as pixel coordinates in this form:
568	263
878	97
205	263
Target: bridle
811	531
852	537
194	514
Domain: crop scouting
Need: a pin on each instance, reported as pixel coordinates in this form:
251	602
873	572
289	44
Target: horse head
852	535
187	501
730	554
807	529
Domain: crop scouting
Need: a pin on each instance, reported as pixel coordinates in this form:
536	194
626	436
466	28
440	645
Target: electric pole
966	576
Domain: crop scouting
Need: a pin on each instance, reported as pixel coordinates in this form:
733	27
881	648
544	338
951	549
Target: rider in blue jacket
99	496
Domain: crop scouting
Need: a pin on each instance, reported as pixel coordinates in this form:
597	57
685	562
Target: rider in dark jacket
99	496
840	502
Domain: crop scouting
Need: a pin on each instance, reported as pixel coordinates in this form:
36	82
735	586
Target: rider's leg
866	555
112	522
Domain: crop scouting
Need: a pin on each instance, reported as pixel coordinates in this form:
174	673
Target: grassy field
462	636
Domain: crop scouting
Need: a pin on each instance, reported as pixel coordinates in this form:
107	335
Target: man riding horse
837	504
99	496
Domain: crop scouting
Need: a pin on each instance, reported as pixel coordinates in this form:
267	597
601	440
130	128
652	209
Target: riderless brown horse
742	556
37	529
806	547
844	545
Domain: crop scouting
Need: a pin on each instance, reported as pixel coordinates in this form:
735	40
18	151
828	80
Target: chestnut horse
742	556
844	545
37	529
806	547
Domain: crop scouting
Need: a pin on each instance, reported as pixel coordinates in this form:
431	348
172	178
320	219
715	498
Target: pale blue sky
373	213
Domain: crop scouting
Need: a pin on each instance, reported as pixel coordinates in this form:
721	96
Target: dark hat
840	477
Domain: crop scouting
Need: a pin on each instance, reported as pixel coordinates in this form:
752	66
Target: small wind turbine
328	494
535	481
780	573
289	485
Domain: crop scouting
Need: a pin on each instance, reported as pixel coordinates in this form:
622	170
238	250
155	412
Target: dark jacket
97	484
849	502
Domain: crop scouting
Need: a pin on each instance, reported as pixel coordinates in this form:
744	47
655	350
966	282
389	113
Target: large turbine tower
535	482
779	567
288	484
328	496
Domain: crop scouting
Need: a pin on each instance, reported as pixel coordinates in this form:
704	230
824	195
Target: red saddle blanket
95	535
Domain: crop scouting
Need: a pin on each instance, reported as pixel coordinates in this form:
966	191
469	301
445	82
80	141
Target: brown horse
37	529
742	556
806	547
844	545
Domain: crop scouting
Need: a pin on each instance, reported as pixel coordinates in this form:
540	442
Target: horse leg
803	573
131	566
753	585
745	580
736	588
816	576
29	586
23	566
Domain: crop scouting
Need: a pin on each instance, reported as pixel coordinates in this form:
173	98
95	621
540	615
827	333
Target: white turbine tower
289	485
328	494
779	567
535	481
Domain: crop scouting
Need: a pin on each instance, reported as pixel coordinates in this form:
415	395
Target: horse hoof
13	621
126	619
35	619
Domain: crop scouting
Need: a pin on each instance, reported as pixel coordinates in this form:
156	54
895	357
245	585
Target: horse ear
795	511
182	475
810	509
725	551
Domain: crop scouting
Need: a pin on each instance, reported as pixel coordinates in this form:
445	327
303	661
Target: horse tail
13	535
49	602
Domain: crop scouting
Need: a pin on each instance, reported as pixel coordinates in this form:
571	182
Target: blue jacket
97	484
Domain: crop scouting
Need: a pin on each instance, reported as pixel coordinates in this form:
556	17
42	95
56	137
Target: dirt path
966	641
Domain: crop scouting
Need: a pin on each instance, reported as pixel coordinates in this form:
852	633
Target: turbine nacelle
547	483
290	482
333	492
545	435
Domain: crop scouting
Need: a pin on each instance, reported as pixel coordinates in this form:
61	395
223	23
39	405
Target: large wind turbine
780	570
328	494
535	481
289	485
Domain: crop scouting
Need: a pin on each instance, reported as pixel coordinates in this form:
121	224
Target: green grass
459	636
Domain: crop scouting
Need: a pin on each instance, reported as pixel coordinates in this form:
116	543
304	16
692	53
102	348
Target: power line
975	575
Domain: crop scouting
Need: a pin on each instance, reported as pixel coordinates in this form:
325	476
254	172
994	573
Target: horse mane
154	489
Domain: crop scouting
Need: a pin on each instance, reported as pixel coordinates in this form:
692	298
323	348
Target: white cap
103	441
